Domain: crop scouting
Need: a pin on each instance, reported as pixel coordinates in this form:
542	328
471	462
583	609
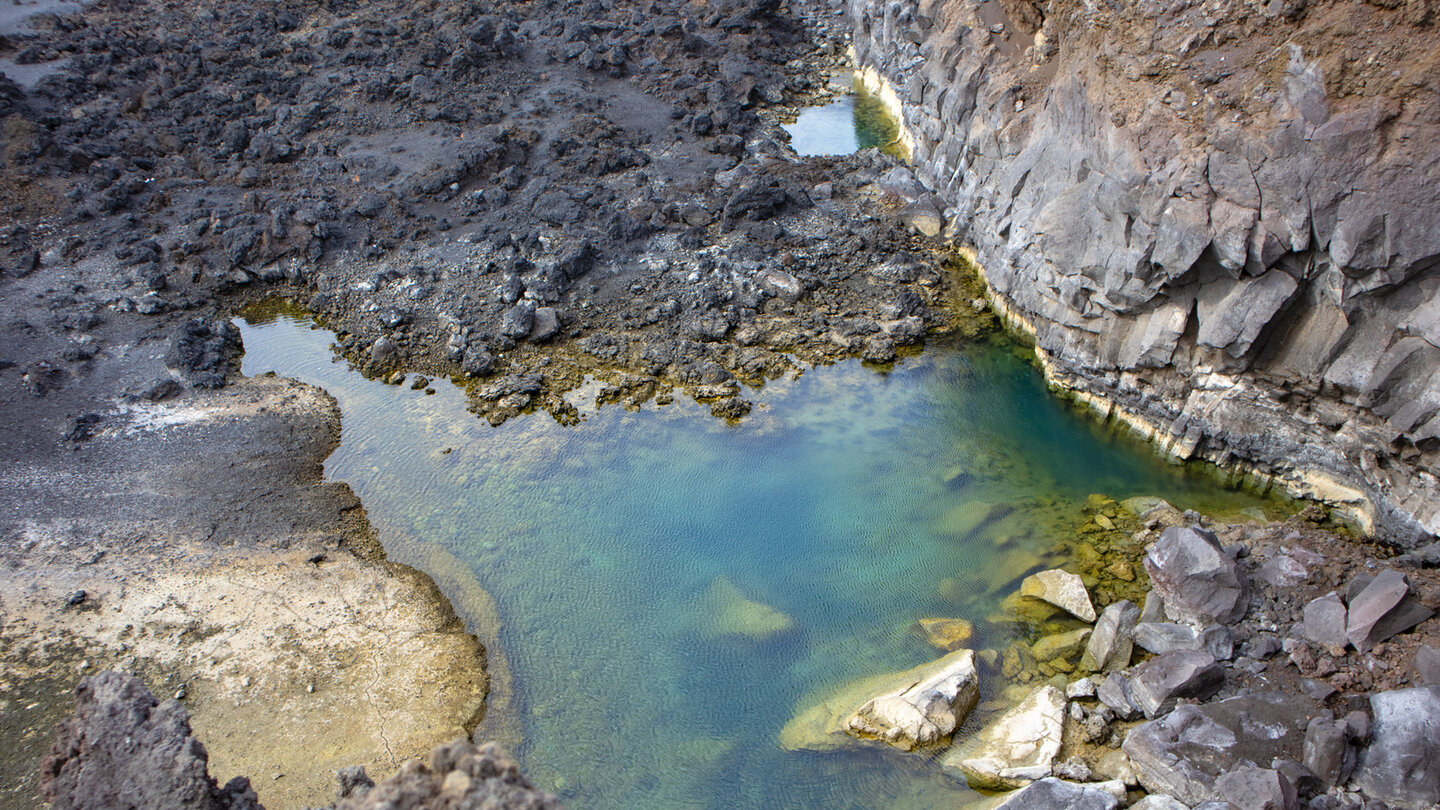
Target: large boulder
923	713
1199	582
1113	641
1382	609
1017	748
825	723
1057	794
1156	684
1183	753
1061	589
1402	764
124	748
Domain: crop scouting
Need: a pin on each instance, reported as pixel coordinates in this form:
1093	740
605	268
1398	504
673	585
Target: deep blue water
604	542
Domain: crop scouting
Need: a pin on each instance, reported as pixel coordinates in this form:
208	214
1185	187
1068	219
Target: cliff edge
1217	218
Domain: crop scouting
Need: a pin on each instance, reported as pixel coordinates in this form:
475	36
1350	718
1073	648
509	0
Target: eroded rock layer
1218	218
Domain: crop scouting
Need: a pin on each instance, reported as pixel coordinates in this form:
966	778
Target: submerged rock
1061	589
923	713
1017	748
946	634
728	613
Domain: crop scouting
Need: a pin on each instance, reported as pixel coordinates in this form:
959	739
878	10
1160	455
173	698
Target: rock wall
1219	218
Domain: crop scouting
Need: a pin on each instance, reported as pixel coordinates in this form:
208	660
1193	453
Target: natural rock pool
853	121
672	587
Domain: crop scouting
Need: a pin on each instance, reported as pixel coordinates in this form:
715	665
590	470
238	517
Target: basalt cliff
1217	218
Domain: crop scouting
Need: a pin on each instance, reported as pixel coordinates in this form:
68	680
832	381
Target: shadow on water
632	557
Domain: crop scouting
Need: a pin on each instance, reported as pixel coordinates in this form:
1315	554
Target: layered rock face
1218	218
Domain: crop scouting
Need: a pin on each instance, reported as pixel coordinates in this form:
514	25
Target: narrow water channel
630	554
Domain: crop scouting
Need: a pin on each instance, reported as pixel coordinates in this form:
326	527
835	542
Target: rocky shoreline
1213	233
1260	665
522	196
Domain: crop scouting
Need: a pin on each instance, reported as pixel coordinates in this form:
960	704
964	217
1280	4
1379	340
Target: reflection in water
848	124
673	587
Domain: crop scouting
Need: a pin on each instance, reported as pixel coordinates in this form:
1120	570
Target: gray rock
1199	582
1427	665
1154	608
1156	684
1324	621
1162	637
1112	643
1257	789
1183	753
1326	753
1383	609
477	362
123	748
1057	794
1114	692
545	326
1283	571
517	321
901	183
459	774
923	217
1219	641
1159	801
1402	763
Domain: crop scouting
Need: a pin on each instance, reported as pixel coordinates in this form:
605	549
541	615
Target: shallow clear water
848	124
604	544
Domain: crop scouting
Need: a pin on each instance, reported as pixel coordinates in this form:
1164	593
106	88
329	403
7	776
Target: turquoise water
604	544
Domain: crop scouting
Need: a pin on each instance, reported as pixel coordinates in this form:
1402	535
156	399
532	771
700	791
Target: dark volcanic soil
451	184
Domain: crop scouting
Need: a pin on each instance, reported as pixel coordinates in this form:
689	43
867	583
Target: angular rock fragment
1057	794
1383	609
1061	589
1114	692
1017	748
1156	684
1199	582
1113	642
1402	763
1183	753
1326	753
1162	637
1324	621
1257	789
